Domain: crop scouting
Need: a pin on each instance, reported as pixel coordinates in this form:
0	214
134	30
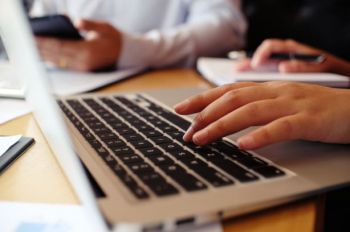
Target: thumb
300	66
90	25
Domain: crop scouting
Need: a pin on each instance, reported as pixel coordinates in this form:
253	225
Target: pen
237	55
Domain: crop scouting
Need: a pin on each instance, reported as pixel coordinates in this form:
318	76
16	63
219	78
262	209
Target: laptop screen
20	46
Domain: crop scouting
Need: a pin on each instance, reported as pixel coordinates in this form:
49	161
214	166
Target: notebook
220	71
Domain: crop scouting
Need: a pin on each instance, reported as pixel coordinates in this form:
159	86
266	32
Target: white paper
10	85
11	109
221	72
27	217
69	82
6	142
63	82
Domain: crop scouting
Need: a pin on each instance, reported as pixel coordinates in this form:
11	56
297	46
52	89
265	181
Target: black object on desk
14	152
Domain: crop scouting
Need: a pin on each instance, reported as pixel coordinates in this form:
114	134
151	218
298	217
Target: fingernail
201	138
247	142
180	107
188	134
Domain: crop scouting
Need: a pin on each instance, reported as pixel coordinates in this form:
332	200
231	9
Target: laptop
146	178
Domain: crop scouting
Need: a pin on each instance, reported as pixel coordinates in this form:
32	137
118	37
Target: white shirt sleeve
212	27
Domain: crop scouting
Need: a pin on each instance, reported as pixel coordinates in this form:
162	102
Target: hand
100	49
286	111
269	46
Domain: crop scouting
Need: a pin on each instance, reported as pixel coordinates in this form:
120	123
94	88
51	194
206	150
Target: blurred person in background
134	33
290	26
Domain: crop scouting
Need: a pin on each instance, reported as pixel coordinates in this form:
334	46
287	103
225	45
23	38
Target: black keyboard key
150	151
161	160
173	169
170	147
101	130
118	125
189	182
107	136
117	169
162	189
152	118
235	170
101	151
141	144
115	143
229	150
159	124
139	192
122	150
110	161
140	167
109	158
134	187
130	118
186	180
152	133
252	162
130	158
133	137
88	136
126	131
269	171
168	128
151	177
144	127
161	140
177	120
177	135
211	155
95	143
182	155
210	174
217	179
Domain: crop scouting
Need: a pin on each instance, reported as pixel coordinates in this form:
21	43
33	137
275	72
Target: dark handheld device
58	26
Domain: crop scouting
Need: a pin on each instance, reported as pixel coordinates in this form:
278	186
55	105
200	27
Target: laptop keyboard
141	142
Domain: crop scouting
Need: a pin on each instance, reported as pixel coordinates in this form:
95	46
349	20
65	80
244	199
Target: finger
286	128
89	25
253	114
49	44
73	51
229	102
242	65
301	66
58	47
270	46
199	102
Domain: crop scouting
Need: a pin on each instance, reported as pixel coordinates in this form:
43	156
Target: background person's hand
286	111
100	49
269	46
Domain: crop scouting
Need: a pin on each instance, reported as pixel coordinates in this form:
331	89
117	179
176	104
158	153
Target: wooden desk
37	177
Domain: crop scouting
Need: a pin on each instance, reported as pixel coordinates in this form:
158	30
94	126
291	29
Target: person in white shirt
147	33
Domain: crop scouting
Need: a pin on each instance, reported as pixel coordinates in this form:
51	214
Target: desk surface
37	177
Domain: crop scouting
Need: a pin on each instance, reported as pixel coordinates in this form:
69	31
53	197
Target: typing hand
269	46
100	49
286	111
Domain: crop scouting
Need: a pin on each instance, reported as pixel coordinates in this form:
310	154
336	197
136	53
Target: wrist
340	66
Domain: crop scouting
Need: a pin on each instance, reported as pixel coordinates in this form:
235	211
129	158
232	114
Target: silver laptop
145	177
